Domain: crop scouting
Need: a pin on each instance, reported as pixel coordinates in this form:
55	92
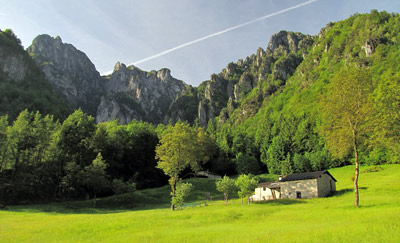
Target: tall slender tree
346	112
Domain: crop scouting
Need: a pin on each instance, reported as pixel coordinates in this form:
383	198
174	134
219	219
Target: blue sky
133	30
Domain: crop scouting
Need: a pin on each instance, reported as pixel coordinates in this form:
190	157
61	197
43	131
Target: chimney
280	177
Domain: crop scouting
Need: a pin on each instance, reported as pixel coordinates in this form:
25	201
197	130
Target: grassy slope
314	220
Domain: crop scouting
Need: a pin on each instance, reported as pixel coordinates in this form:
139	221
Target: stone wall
307	188
325	185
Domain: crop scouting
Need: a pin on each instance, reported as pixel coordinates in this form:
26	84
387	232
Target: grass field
332	219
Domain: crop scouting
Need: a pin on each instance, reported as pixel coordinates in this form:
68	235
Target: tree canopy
181	147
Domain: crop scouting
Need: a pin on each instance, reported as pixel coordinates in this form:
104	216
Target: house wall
261	194
325	185
307	188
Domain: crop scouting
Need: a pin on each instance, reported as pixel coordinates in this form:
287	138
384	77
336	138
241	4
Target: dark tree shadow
82	208
345	191
278	202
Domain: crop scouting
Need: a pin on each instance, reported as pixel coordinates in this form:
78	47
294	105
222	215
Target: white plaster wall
261	195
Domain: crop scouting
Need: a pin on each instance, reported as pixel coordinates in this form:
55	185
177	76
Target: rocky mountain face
159	98
22	84
266	70
136	94
69	71
13	65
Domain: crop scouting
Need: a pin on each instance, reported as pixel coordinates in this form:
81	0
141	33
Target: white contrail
221	32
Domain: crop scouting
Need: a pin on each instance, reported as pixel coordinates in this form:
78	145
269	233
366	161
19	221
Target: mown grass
332	219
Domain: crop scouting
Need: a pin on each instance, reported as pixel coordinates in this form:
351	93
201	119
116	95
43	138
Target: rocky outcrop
23	85
13	66
69	71
284	42
216	94
136	94
278	62
13	60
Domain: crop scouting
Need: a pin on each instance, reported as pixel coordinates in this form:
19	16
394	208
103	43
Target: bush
246	164
120	187
182	192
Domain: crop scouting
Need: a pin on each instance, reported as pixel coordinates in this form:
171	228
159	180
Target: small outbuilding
299	185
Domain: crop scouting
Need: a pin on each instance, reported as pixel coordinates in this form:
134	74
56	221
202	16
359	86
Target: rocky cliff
12	65
22	84
266	70
69	71
136	94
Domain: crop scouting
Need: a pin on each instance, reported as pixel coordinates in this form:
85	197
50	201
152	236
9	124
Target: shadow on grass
81	208
345	191
108	205
279	202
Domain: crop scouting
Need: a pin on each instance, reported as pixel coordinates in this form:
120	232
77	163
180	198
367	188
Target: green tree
120	186
246	184
94	177
181	147
3	142
346	112
70	180
26	157
286	165
386	134
227	186
182	192
273	156
301	163
246	164
75	138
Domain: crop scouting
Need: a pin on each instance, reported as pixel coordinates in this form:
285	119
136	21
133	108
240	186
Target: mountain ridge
240	89
118	95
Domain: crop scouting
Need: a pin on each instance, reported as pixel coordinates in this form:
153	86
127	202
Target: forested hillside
286	132
22	84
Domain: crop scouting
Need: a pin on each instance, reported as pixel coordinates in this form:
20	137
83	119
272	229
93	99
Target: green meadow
145	216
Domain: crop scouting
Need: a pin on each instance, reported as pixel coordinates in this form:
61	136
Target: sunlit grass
332	219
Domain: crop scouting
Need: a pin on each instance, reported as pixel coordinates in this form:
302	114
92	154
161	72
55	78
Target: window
264	188
298	194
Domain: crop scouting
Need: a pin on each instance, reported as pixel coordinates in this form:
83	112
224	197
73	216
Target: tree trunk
242	200
173	188
226	198
94	200
248	200
356	170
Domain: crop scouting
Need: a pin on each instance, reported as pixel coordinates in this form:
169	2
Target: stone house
299	185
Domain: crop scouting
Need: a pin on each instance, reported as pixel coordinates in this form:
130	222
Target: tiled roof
306	176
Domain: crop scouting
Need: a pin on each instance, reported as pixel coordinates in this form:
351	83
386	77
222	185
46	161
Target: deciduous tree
94	177
246	184
227	186
180	147
346	112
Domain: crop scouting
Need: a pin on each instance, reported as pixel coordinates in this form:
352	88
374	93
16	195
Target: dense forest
341	104
44	159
